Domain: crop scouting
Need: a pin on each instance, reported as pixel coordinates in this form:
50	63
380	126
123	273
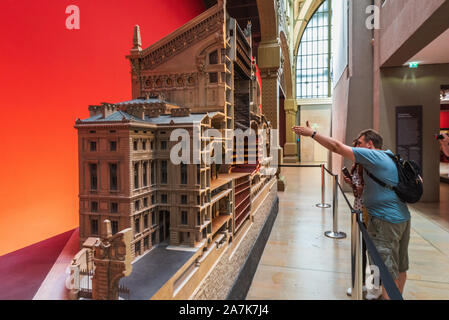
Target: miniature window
169	81
163	145
145	221
135	145
113	176
93	176
136	205
94	206
152	199
137	225
113	145
158	82
198	218
136	176
153	218
114	207
163	198
94	227
213	57
180	81
137	248
144	145
145	202
213	77
145	174
184	217
183	173
93	146
183	199
151	145
198	200
114	227
153	173
146	242
191	81
164	171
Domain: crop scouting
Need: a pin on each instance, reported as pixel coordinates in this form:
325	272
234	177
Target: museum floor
299	262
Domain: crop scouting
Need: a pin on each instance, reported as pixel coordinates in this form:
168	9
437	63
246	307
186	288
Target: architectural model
133	196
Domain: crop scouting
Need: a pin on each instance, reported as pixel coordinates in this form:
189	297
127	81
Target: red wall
49	75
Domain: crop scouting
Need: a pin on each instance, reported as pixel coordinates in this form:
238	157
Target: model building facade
202	76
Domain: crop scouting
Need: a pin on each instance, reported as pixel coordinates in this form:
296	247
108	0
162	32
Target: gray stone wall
221	280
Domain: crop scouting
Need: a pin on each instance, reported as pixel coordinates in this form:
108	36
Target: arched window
314	56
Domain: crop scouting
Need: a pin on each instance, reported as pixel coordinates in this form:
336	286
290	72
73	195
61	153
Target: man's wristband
314	134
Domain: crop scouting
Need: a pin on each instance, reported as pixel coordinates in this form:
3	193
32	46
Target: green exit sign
413	65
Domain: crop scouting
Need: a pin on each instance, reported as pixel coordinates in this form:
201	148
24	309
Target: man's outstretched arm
327	142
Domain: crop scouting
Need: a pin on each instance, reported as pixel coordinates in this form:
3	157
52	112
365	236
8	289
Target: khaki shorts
391	241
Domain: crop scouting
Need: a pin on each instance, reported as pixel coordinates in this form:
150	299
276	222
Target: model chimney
137	42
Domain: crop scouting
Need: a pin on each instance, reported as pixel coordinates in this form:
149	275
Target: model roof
142	101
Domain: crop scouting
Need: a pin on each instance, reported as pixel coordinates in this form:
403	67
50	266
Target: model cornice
206	15
192	32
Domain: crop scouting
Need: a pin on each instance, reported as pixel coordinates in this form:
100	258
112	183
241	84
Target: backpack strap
378	181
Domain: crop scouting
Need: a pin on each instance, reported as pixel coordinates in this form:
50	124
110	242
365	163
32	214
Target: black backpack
410	186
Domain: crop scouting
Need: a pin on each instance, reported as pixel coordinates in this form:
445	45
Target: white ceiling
436	52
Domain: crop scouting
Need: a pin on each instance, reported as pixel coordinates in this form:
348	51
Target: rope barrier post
353	249
335	234
323	190
356	252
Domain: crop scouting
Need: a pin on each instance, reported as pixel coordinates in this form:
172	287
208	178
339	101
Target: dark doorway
164	225
161	226
167	224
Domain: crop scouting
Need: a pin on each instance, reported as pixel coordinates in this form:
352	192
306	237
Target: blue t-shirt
381	202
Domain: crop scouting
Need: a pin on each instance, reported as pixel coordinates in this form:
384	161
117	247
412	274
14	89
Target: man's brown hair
373	136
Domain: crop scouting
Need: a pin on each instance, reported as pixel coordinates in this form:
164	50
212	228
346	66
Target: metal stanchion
356	255
353	249
335	234
323	190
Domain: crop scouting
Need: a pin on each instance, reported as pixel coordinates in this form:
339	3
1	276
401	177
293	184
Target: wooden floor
299	262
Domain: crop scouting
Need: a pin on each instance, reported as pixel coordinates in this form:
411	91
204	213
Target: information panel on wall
409	133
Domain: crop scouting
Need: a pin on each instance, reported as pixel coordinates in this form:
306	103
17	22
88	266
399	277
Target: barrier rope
346	198
333	175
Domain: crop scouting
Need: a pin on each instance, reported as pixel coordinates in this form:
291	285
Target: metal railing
358	235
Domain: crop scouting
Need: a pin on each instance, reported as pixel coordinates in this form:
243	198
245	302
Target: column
291	146
269	64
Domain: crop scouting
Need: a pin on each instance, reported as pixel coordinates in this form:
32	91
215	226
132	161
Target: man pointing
389	225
